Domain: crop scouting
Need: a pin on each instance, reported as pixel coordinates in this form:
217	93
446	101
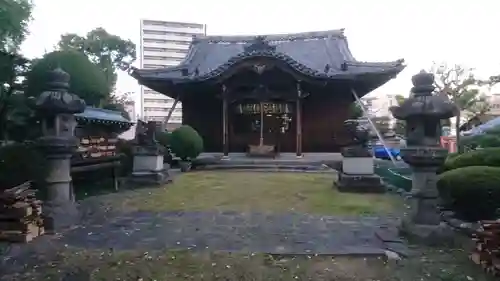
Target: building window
154	32
173	24
156	100
188	36
163	58
154	49
163	41
156	109
153	66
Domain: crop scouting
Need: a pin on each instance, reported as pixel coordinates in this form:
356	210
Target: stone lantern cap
422	103
56	99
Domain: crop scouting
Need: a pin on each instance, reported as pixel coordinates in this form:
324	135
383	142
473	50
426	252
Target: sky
456	32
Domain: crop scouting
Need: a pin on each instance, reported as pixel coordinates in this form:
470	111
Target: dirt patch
79	264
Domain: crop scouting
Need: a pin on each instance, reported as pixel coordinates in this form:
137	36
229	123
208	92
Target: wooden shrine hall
269	94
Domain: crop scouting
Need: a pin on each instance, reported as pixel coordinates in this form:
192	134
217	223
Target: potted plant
186	144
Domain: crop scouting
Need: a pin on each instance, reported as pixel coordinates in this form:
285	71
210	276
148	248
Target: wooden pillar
225	124
171	110
298	120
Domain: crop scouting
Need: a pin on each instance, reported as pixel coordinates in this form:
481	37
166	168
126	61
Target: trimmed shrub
186	143
19	163
481	157
449	158
472	192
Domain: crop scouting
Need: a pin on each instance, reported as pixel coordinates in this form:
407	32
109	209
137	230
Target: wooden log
476	258
17	236
41	230
21	225
16	213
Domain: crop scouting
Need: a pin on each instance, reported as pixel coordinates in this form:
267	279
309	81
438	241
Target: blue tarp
381	153
481	129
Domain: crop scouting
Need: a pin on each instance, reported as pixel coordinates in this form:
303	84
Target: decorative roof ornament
259	44
259	68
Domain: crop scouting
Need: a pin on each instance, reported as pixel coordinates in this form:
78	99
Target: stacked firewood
20	214
487	250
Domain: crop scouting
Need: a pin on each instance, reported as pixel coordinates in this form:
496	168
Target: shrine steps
267	167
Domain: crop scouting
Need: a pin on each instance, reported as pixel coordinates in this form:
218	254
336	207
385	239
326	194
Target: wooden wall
204	114
322	130
323	116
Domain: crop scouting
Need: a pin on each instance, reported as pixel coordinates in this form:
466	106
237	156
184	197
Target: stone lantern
357	173
56	107
423	113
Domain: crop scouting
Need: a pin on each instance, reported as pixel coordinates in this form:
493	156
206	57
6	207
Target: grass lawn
262	192
80	264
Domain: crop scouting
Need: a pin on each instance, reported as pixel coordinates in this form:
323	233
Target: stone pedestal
424	224
357	173
148	167
60	210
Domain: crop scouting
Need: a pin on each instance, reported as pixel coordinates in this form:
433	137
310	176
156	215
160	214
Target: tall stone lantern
423	113
56	107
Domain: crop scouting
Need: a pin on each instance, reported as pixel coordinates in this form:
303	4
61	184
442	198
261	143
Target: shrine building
271	93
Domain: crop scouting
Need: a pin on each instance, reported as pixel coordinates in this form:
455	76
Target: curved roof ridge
339	33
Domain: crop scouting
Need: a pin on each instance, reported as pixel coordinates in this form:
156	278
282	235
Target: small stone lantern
423	113
358	171
56	107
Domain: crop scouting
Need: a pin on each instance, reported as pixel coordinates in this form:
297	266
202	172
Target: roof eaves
337	33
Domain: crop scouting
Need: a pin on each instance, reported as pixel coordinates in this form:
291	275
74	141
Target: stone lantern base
60	211
148	166
357	173
430	235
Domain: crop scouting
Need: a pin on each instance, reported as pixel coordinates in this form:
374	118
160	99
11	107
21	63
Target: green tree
400	125
14	18
86	79
105	50
461	87
115	102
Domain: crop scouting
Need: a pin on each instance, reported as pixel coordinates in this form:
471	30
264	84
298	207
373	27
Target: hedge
472	192
481	157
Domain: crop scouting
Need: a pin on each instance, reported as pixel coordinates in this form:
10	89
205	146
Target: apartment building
130	109
164	44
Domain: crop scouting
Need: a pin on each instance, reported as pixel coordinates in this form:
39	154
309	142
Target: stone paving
290	233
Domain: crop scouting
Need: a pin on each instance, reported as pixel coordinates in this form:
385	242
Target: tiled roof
322	54
100	114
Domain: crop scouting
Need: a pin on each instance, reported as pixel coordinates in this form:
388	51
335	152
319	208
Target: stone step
279	171
262	167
